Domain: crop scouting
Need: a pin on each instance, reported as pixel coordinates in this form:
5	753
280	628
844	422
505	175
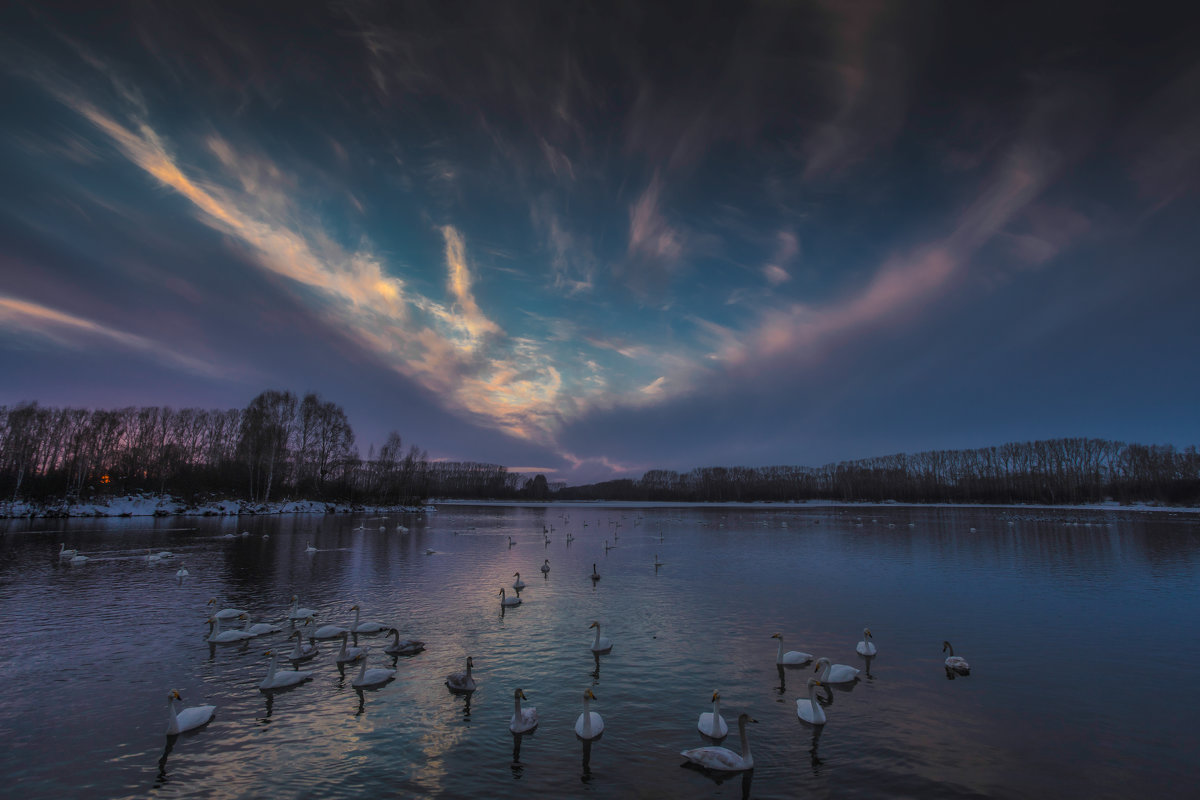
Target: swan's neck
716	714
271	668
825	667
172	719
357	614
597	642
745	740
779	655
396	638
950	647
468	670
362	671
517	706
587	718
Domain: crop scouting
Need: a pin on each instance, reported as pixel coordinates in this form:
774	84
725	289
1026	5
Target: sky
592	239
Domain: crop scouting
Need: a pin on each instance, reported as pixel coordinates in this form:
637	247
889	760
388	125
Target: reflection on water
691	594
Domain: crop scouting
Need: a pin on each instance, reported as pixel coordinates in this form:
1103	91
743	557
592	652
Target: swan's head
519	694
587	694
269	653
516	574
594	625
243	616
212	602
502	591
174	695
777	636
867	632
295	598
820	661
354	607
470	661
743	718
716	695
945	645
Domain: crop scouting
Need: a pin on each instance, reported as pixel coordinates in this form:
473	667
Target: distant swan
807	708
260	628
866	647
601	644
711	723
546	563
956	663
595	575
722	758
63	552
523	719
297	612
366	627
408	647
657	563
218	636
310	548
518	583
347	654
792	658
509	601
78	558
186	719
302	651
373	677
182	572
589	724
226	613
835	673
462	681
282	680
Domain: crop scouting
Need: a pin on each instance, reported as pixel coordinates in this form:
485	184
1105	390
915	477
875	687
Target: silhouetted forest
283	447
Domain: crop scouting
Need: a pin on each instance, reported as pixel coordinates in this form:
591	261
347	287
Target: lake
1080	627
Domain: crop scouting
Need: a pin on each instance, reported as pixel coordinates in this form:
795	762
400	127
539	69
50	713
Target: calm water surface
1081	629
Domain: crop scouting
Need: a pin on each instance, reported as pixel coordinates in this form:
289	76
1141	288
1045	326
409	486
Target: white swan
792	658
508	601
226	613
328	632
518	583
546	564
711	723
259	628
78	558
601	644
347	653
807	708
523	719
510	542
63	552
218	636
296	612
595	575
310	548
866	647
589	724
152	558
408	647
366	627
182	572
835	673
373	677
722	758
186	719
956	663
302	651
282	680
462	681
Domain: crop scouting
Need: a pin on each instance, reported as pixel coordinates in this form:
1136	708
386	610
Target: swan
218	636
348	654
282	680
956	663
329	632
310	548
546	565
711	723
366	627
601	644
722	758
182	572
152	558
792	658
835	673
226	613
462	681
302	652
522	719
78	558
595	575
409	647
866	647
657	563
296	612
589	725
807	708
165	554
510	542
63	552
188	718
259	629
372	678
509	601
518	583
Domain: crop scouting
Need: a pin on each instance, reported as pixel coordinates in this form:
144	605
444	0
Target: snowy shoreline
166	506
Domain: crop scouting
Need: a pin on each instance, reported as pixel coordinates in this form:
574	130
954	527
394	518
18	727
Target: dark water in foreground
1081	628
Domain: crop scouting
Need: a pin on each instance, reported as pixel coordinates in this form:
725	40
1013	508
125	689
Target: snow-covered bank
156	505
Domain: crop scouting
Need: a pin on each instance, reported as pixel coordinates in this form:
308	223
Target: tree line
1055	471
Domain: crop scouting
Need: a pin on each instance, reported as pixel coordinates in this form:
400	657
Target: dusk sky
592	239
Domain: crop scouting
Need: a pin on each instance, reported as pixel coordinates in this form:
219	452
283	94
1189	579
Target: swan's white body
226	613
835	673
296	612
348	654
462	681
329	632
546	563
722	758
408	647
589	724
310	548
260	628
373	677
78	559
711	723
518	583
366	627
601	644
302	651
218	636
956	663
282	680
866	647
186	719
523	719
152	558
509	601
182	572
63	552
807	708
792	658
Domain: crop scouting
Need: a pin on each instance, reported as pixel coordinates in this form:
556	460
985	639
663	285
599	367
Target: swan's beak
716	696
776	635
354	608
